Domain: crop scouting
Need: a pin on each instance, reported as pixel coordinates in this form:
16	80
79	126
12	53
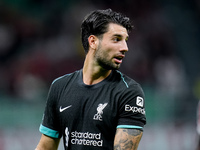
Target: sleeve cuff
49	132
129	127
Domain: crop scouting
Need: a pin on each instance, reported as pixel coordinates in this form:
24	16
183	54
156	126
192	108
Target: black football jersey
86	116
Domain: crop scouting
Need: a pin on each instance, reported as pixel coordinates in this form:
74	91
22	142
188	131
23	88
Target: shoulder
65	78
128	86
126	80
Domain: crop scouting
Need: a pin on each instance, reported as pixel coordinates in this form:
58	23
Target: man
96	107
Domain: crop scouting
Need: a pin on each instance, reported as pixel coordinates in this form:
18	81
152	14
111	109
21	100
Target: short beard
107	65
103	62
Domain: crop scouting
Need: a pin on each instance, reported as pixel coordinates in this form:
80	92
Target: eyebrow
119	35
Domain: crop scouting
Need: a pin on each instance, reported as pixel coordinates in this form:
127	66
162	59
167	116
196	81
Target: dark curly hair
96	23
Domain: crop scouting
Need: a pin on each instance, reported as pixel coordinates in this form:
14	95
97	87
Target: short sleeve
49	124
132	108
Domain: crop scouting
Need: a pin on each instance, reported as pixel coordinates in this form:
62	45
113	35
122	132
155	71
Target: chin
115	68
112	66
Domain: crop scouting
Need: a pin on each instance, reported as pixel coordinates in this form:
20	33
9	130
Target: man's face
112	47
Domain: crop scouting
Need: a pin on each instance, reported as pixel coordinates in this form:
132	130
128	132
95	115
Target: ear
93	41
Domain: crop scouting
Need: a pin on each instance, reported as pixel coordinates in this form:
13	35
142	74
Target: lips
118	59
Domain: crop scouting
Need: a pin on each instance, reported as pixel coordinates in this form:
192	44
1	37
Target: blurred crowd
40	41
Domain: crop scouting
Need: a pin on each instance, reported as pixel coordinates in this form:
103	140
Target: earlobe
92	41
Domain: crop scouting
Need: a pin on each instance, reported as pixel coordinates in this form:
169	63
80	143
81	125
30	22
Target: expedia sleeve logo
135	109
140	101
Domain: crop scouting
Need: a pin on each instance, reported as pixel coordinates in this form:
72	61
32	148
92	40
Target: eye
116	39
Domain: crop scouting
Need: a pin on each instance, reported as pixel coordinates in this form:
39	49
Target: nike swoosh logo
62	109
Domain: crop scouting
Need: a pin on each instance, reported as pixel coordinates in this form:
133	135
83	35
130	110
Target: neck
93	73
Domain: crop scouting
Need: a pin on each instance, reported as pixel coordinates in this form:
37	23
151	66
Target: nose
124	47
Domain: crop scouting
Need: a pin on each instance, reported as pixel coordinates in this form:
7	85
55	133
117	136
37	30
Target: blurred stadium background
40	41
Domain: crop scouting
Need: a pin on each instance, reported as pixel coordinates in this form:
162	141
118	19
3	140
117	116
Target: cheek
107	50
107	53
110	48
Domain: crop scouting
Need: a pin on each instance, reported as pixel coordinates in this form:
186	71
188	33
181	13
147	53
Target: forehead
115	29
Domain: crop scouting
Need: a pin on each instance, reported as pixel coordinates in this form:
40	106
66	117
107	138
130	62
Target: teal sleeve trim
48	132
129	126
123	79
